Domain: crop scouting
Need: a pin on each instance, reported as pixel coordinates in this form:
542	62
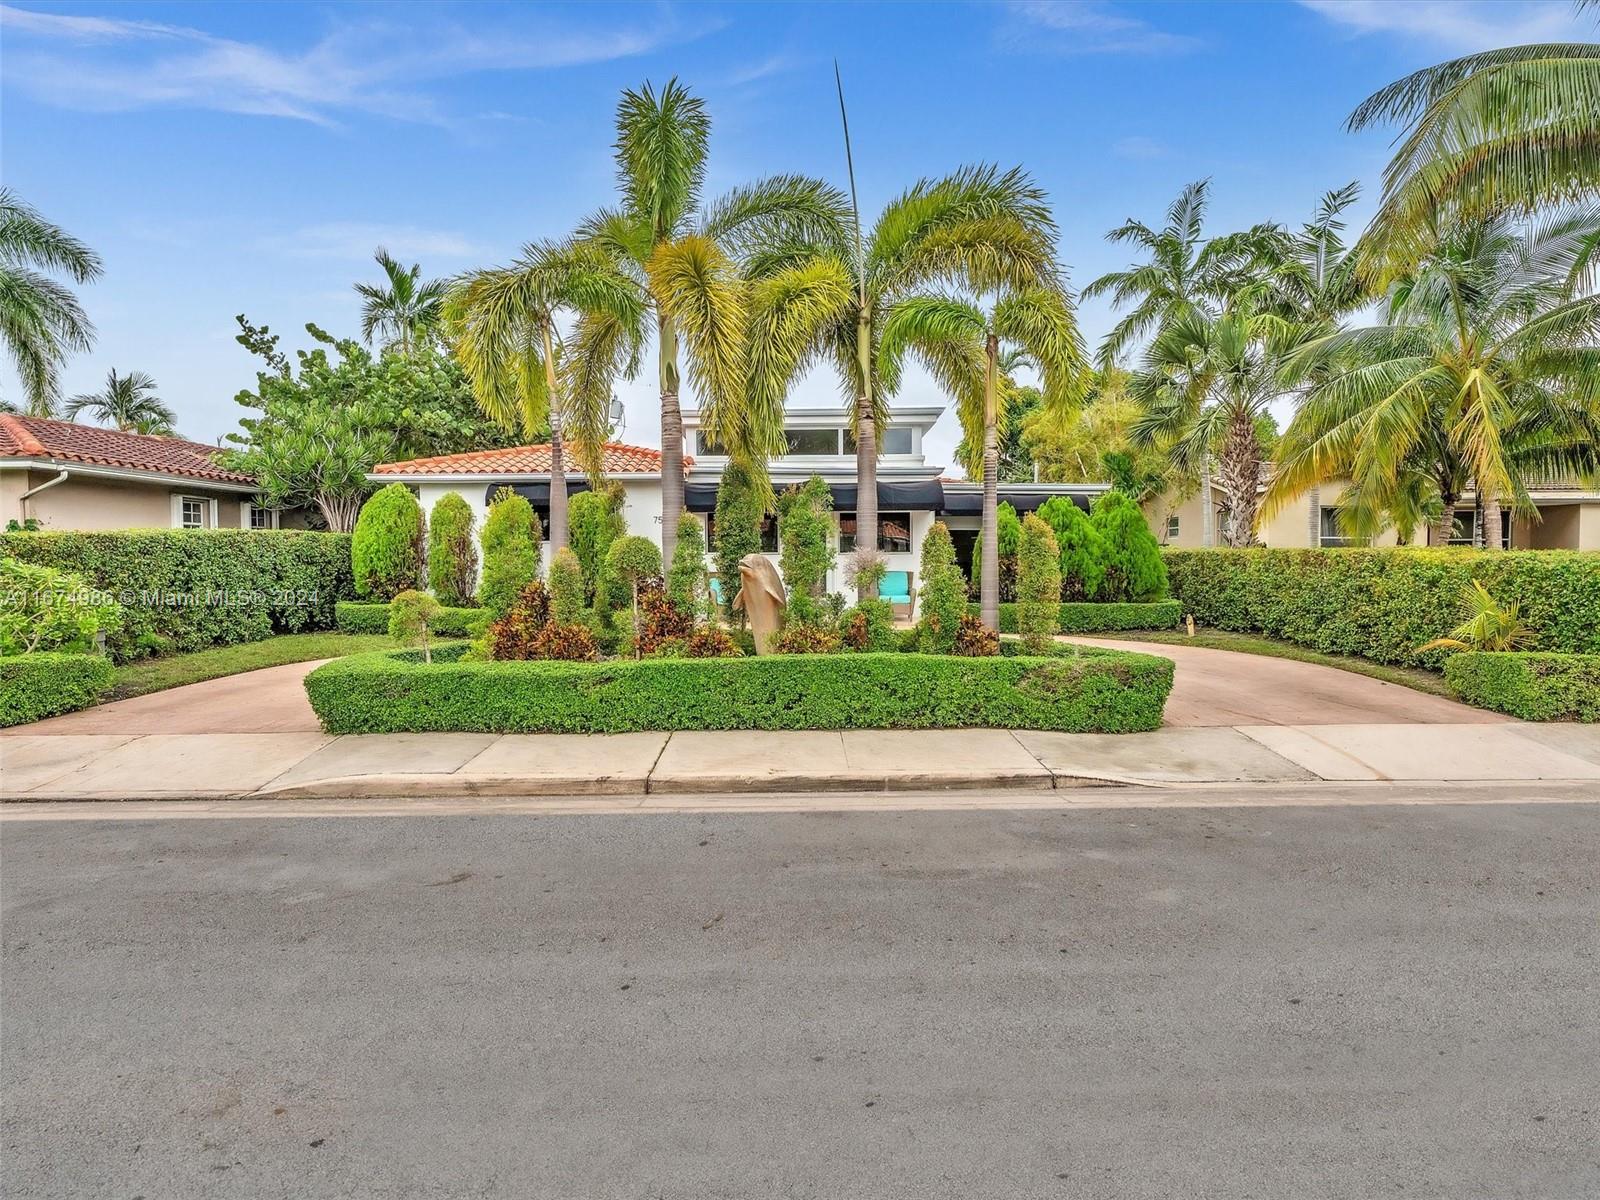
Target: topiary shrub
1009	527
1038	585
42	609
511	537
386	547
566	587
941	593
594	521
736	530
686	579
805	638
1134	568
35	686
631	560
411	614
452	551
974	639
805	545
1083	550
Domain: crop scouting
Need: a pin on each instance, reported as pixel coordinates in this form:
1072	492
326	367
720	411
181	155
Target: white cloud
1461	26
353	240
376	67
1085	27
1139	148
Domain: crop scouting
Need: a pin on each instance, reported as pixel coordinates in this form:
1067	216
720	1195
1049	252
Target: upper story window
820	443
811	441
894	440
710	446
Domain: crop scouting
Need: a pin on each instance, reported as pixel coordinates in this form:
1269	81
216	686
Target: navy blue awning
536	494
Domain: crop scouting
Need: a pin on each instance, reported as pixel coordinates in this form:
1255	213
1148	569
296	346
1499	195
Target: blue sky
241	157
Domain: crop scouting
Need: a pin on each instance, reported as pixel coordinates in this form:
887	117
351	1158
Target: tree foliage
386	550
1134	569
594	521
1038	585
686	578
41	321
511	538
128	402
452	551
1083	550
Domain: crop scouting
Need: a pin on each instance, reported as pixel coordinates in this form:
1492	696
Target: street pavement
1318	999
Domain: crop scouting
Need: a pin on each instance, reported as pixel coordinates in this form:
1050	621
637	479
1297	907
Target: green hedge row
356	616
1535	687
1383	604
187	589
1082	616
1101	691
35	686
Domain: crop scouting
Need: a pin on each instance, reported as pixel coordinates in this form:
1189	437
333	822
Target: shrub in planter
942	594
386	547
803	638
1038	584
35	686
566	587
42	609
1534	686
452	551
411	614
1134	568
1083	550
511	537
974	639
594	521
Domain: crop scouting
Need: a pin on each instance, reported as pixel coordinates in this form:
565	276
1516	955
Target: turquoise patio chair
896	587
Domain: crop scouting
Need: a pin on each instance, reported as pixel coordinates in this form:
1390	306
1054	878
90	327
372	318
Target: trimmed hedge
1535	687
358	616
1383	604
1082	616
1103	691
35	686
187	589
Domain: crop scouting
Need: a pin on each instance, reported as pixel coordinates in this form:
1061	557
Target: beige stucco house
69	476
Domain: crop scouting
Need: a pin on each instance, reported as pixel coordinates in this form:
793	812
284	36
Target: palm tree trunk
866	450
1444	525
671	439
557	532
1241	474
1208	510
1491	523
989	582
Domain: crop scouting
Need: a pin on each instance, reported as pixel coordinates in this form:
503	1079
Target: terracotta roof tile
68	442
617	458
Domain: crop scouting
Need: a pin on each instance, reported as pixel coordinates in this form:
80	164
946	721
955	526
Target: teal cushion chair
896	587
716	589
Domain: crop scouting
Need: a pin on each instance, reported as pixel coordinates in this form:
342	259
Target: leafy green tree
630	560
595	520
386	548
405	310
128	403
411	617
1134	568
1083	551
1008	528
41	321
941	592
805	545
686	578
567	599
1038	585
511	538
452	550
736	528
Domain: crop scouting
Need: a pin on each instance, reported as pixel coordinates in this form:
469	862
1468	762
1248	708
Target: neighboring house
69	476
911	493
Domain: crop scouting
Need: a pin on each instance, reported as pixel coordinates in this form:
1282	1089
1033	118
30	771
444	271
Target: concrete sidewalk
439	765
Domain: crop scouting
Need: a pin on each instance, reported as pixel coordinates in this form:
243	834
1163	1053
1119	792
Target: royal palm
405	310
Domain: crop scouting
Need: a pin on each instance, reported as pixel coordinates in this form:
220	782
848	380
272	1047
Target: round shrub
1038	585
737	528
1134	570
566	588
631	560
804	638
942	595
511	537
711	641
1083	550
386	547
452	551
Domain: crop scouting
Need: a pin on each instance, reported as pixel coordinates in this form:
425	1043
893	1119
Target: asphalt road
1280	1003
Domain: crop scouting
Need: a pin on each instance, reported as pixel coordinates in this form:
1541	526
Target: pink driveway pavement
1211	687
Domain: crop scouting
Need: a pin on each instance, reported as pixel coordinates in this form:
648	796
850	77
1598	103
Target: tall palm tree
405	310
681	264
127	402
960	344
1507	130
1309	275
41	321
504	323
1486	374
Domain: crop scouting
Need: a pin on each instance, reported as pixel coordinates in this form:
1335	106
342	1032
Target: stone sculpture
760	598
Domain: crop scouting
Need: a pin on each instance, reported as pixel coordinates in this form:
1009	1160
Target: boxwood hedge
1101	691
355	616
1535	687
1383	604
1088	617
186	589
34	686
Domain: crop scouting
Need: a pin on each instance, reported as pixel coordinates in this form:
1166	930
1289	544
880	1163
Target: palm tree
128	402
960	345
1507	130
41	321
681	267
406	310
1309	274
504	326
1486	374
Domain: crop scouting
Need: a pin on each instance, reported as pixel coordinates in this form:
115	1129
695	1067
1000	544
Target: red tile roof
617	458
68	442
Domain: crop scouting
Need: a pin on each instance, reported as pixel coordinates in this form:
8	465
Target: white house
911	493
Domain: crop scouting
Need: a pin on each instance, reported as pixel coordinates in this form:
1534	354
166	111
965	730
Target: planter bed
1083	616
1077	690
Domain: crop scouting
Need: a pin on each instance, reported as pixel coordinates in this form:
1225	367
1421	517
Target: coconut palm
127	402
504	324
960	345
1486	374
41	321
681	265
1507	130
1309	274
405	310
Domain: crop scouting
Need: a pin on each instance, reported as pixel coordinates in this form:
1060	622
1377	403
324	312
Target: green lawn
157	674
1246	643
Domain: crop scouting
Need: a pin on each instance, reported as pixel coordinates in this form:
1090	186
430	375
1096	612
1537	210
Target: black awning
1020	496
536	494
700	497
963	504
919	495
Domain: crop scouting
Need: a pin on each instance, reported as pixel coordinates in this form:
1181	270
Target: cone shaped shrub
452	552
1134	570
1038	585
1083	550
511	537
686	578
566	588
594	521
386	547
736	530
942	594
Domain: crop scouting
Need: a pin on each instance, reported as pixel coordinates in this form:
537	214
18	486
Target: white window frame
208	511
1173	525
247	511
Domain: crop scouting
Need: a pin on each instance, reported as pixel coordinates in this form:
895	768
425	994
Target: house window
258	516
1172	528
896	439
811	441
1330	532
769	534
710	446
894	532
1467	532
192	512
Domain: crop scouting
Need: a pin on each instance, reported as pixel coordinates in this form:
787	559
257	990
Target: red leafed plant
660	620
974	639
